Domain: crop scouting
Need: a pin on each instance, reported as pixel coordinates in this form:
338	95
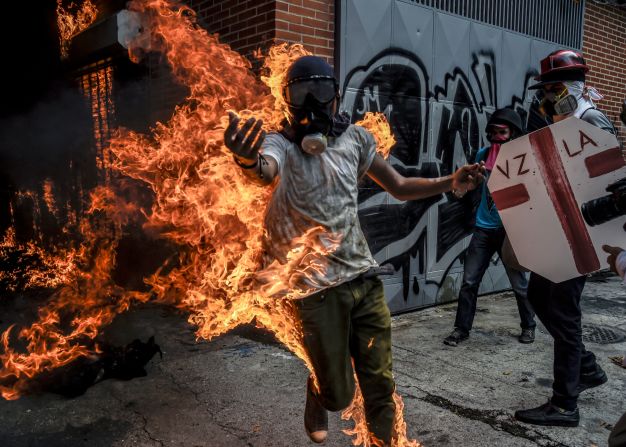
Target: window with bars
558	21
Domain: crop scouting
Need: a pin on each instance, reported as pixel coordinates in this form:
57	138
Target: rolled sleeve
367	150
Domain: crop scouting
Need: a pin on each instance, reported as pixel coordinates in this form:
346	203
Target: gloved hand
246	141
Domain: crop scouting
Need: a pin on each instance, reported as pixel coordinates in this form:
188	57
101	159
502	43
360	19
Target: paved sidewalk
244	390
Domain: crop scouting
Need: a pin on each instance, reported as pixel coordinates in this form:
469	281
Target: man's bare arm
414	188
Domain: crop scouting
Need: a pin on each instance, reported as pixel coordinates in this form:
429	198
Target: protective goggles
323	90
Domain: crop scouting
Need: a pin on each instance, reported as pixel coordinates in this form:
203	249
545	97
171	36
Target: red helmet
561	65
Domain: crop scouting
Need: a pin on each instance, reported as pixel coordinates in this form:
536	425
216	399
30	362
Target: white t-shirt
320	190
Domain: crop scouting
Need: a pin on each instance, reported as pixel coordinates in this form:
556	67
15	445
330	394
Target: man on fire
562	82
317	159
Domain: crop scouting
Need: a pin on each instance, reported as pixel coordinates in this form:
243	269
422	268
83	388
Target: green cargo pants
351	322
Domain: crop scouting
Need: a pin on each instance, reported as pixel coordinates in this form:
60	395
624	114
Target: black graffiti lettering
505	173
521	170
436	132
585	140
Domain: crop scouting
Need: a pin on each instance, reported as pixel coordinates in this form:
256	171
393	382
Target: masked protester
562	81
565	94
489	235
316	161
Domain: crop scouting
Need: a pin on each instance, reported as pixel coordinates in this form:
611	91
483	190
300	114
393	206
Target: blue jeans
484	243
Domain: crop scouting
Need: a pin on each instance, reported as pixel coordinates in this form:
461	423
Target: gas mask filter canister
566	105
314	143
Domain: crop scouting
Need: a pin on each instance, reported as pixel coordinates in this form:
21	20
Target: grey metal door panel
451	45
516	59
486	44
437	77
413	29
367	30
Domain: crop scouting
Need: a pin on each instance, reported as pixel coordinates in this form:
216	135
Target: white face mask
578	100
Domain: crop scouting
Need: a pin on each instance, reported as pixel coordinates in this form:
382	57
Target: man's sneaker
456	337
315	416
592	380
527	336
549	414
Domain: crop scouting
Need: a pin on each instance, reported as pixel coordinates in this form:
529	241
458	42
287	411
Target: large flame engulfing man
214	213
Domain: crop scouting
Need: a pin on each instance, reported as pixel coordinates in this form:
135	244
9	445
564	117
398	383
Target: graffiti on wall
436	131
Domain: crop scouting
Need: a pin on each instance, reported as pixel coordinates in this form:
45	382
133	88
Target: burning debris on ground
108	362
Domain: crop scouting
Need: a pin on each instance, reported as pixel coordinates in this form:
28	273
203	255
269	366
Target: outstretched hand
468	177
246	141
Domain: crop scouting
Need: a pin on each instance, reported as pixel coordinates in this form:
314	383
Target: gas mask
558	102
312	105
572	99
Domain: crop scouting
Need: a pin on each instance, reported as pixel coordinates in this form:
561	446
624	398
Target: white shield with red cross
539	183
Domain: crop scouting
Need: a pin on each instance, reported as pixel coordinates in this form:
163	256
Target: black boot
456	337
592	379
549	414
527	336
315	416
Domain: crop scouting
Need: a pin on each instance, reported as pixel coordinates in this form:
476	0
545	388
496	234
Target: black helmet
309	67
310	75
509	117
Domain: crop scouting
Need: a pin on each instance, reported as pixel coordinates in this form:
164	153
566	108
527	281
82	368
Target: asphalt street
243	389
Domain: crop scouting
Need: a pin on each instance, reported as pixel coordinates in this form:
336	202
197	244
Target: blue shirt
487	215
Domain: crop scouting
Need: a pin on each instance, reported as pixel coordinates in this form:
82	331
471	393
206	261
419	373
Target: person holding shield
565	94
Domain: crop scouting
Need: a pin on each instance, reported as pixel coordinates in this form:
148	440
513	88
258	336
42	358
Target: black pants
483	245
558	308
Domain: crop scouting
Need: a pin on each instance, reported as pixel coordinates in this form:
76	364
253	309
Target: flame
377	124
48	196
72	20
202	203
87	299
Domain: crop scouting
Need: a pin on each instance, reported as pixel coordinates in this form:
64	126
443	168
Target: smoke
50	144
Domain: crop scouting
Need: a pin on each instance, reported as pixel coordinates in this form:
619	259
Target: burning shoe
315	416
549	414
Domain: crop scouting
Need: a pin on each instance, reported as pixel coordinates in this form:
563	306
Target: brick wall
604	48
247	25
310	22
